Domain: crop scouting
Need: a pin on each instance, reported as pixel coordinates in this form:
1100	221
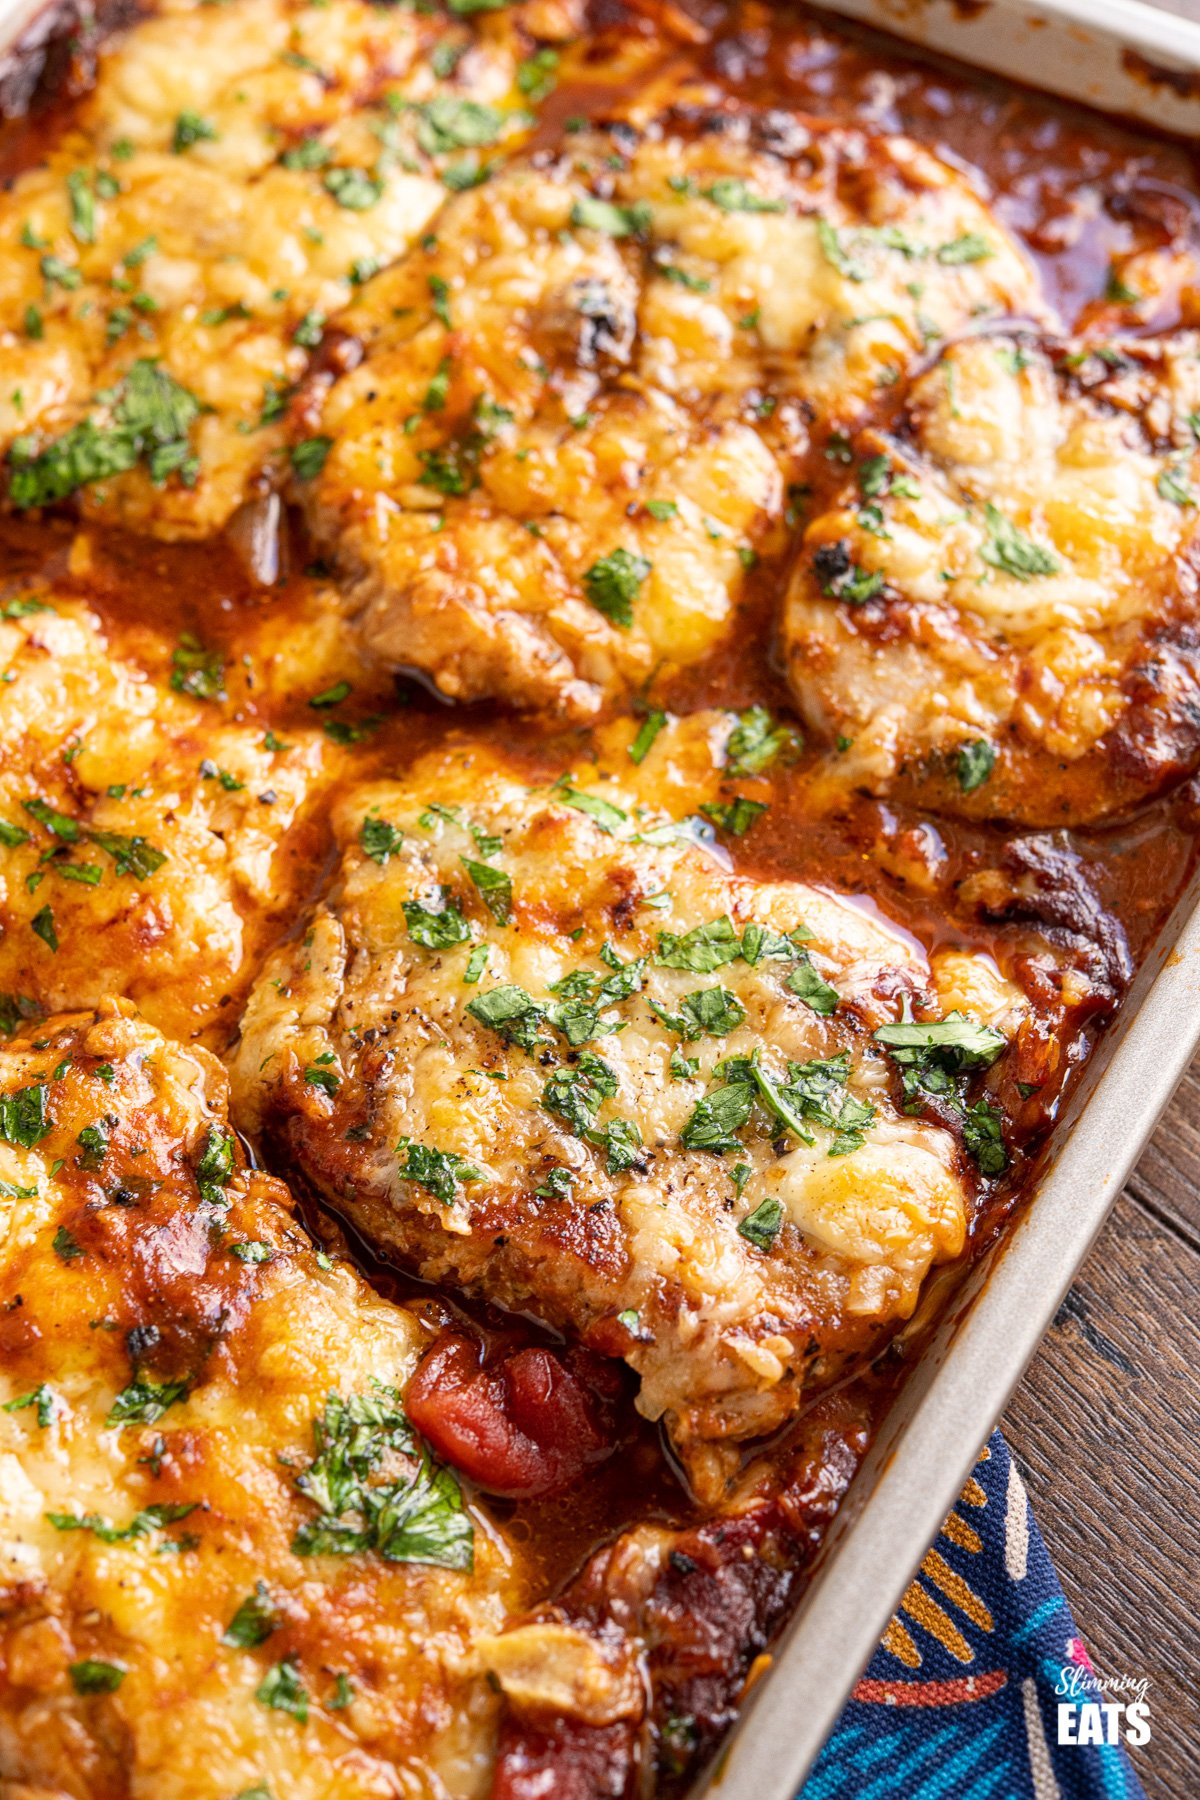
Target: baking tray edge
1143	65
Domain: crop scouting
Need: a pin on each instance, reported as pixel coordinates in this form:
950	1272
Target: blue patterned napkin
981	1688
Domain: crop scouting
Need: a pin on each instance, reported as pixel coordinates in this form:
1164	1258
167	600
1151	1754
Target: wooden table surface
1106	1430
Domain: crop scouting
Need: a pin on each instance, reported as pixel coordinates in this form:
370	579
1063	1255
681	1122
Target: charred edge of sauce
54	57
705	1606
1181	81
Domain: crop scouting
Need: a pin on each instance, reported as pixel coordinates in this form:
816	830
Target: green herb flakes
763	1225
614	582
1010	550
253	1622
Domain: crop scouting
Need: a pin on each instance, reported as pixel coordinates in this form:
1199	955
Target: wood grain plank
1167	1180
1106	1428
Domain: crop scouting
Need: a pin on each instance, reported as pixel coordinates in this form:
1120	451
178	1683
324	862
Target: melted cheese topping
612	1219
485	472
1023	533
830	256
124	1670
235	171
583	366
150	841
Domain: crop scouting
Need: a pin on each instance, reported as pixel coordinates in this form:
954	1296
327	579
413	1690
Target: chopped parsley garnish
935	1059
282	1690
67	1246
308	457
647	731
604	215
436	927
808	1096
614	582
712	1012
1009	549
841	578
418	1518
493	886
757	741
210	772
623	1142
451	469
308	332
954	1042
132	855
196	670
439	1172
13	1009
577	1020
252	1251
379	840
42	926
439	294
607	816
576	1094
82	203
970	247
319	1075
144	1402
1172	485
438	389
332	696
253	1622
353	189
309	153
191	129
24	1118
702	949
42	1398
983	1138
214	1169
93	1677
537	75
808	985
717	1117
152	415
763	1225
734	816
60	825
510	1011
875	477
93	1144
694	284
973	764
151	1518
447	123
834	253
603	990
733	195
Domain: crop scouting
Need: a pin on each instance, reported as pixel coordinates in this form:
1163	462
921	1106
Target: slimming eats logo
1102	1709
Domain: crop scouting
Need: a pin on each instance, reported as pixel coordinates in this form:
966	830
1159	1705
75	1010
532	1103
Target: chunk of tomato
523	1425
